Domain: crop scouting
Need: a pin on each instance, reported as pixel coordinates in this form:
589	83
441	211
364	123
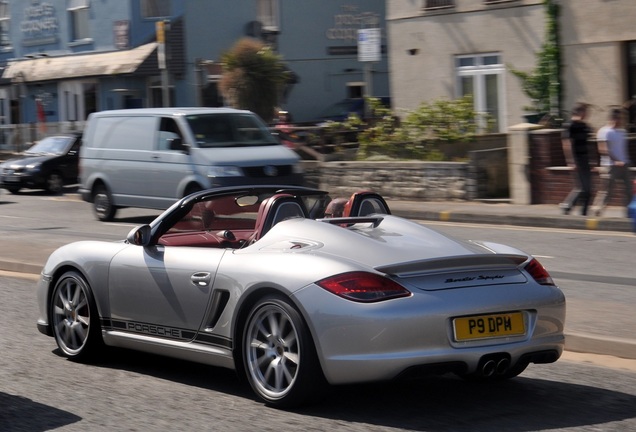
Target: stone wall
427	181
481	173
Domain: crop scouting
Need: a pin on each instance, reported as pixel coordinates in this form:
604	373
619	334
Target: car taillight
363	287
539	273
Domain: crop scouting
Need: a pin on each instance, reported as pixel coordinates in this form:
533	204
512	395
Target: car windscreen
229	130
50	145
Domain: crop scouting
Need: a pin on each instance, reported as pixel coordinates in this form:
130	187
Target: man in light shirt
615	163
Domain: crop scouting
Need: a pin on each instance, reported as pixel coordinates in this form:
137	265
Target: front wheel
74	317
103	204
279	356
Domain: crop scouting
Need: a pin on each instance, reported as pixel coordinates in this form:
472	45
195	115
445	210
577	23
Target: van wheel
103	204
192	189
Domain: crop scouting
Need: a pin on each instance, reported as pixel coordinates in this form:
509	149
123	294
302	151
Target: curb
561	222
604	345
18	267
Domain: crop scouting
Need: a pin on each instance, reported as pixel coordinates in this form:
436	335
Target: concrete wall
594	54
423	45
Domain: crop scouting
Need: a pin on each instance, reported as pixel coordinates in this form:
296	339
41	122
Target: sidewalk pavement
18	256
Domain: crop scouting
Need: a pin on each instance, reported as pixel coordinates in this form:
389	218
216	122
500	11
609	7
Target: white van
150	157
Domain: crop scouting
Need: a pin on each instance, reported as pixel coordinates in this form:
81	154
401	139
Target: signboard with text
369	45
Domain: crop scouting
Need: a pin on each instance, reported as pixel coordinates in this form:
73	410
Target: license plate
11	179
489	326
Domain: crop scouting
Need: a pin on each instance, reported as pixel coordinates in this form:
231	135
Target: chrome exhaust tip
502	366
489	368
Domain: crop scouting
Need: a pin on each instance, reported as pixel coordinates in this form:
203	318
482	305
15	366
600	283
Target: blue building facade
318	40
63	59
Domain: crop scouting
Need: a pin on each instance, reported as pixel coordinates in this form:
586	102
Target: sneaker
565	208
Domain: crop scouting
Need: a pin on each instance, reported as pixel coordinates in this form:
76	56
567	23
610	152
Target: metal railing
15	138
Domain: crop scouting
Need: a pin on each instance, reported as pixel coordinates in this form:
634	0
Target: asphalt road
127	391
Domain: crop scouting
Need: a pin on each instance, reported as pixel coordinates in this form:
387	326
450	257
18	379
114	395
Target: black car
49	164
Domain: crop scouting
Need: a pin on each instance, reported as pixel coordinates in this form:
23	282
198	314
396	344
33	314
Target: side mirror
139	236
177	144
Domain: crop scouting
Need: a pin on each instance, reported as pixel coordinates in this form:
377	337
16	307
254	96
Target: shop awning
79	65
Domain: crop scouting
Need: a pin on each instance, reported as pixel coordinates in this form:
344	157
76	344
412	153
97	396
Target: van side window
123	132
168	130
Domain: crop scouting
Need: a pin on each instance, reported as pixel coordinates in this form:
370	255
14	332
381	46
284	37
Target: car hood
276	154
25	160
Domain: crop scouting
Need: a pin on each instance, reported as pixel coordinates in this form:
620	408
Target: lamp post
161	28
18	80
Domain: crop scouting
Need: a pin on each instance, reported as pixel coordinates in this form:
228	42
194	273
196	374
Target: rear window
229	130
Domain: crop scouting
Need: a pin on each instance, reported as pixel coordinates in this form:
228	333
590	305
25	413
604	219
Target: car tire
74	318
54	183
14	190
279	355
103	204
192	189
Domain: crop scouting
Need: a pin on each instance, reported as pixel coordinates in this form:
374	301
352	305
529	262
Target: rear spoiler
457	263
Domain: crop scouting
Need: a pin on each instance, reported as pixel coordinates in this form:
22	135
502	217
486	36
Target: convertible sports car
260	280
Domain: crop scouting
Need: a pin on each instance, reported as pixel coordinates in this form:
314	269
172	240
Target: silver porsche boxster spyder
262	280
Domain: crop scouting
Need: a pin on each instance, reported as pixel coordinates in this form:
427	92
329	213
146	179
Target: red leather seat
365	203
276	209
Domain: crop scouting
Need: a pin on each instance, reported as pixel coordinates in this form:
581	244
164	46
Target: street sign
369	45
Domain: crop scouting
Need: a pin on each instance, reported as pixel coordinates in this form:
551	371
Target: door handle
201	279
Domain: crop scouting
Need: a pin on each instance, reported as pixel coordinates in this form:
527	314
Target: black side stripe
171	333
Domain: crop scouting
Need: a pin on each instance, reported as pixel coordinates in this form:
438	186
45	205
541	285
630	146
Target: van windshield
229	130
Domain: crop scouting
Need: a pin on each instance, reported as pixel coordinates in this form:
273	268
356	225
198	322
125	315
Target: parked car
258	279
151	157
49	164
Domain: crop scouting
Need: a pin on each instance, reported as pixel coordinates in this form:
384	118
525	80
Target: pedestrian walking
575	148
615	162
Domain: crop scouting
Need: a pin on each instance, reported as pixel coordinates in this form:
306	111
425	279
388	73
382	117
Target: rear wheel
279	356
74	317
13	189
54	183
103	204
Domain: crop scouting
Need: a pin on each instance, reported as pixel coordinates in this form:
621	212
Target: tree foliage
253	76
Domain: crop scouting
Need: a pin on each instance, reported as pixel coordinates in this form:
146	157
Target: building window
79	19
268	14
482	77
439	4
157	92
77	99
5	21
155	8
